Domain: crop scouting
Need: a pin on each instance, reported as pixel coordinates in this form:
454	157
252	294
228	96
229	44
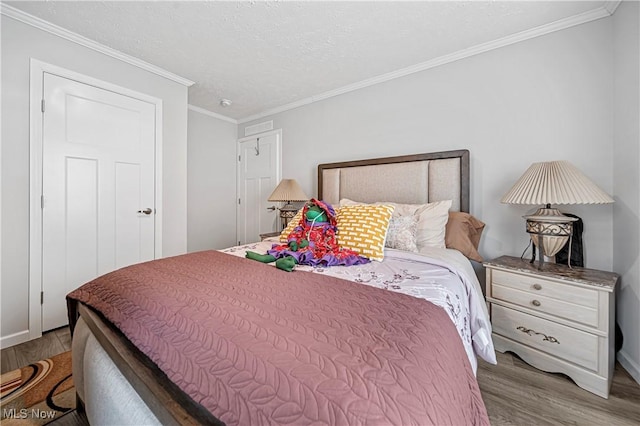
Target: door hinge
238	242
239	157
42	297
238	200
42	201
42	105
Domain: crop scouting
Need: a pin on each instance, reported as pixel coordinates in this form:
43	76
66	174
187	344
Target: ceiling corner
46	26
611	6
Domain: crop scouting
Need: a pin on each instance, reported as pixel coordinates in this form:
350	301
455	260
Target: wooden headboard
407	179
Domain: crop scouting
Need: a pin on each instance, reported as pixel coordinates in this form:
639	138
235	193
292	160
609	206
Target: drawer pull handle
537	287
546	338
535	302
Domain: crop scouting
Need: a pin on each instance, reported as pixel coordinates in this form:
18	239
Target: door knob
145	211
272	208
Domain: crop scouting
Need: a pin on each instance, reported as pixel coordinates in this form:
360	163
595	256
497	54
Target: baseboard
629	364
14	339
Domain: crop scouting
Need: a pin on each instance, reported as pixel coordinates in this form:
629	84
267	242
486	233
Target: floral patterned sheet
444	277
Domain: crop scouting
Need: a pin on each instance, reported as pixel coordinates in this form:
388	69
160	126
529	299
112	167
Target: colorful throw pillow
432	219
284	235
363	229
463	234
401	234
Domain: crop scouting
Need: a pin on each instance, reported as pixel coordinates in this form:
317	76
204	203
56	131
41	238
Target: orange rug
38	393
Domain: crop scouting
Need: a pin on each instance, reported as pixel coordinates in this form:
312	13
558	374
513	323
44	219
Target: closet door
98	188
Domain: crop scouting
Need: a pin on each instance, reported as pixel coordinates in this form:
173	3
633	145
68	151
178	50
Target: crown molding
43	25
611	6
602	12
212	114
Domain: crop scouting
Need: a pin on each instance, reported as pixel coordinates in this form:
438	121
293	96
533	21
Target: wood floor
50	344
517	394
514	392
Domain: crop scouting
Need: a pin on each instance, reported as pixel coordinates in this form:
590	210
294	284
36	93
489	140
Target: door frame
36	122
278	133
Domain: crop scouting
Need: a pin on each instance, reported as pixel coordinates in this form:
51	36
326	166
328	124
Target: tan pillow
463	234
432	219
284	235
363	229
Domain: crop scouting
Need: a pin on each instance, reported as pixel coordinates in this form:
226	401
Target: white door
98	187
258	175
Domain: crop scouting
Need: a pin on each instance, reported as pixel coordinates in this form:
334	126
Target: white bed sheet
444	277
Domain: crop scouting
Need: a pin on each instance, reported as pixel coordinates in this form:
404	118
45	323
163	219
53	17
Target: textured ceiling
263	55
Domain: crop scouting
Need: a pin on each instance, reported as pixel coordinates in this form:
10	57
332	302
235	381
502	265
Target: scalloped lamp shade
553	182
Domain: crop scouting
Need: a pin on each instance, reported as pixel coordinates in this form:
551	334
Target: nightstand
268	234
558	319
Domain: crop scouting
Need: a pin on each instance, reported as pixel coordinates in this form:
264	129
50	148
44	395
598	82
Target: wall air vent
258	128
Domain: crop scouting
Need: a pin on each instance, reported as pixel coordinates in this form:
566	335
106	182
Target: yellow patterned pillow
363	228
292	224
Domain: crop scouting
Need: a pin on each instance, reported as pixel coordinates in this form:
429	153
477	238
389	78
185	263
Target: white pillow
432	219
432	224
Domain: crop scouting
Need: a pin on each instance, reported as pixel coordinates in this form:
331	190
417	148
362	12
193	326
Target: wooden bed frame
168	403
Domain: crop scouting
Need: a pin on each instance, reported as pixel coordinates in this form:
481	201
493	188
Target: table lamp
553	182
288	190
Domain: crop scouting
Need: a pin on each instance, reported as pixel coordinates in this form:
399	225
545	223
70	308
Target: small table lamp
554	182
287	191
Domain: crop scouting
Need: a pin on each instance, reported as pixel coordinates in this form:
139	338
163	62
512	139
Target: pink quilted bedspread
257	345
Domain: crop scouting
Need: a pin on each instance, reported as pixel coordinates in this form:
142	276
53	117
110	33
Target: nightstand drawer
564	342
538	286
538	302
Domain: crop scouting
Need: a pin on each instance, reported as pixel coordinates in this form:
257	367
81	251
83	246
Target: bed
212	338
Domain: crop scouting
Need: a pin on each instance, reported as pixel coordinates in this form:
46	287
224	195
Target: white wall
211	194
21	42
626	224
548	98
